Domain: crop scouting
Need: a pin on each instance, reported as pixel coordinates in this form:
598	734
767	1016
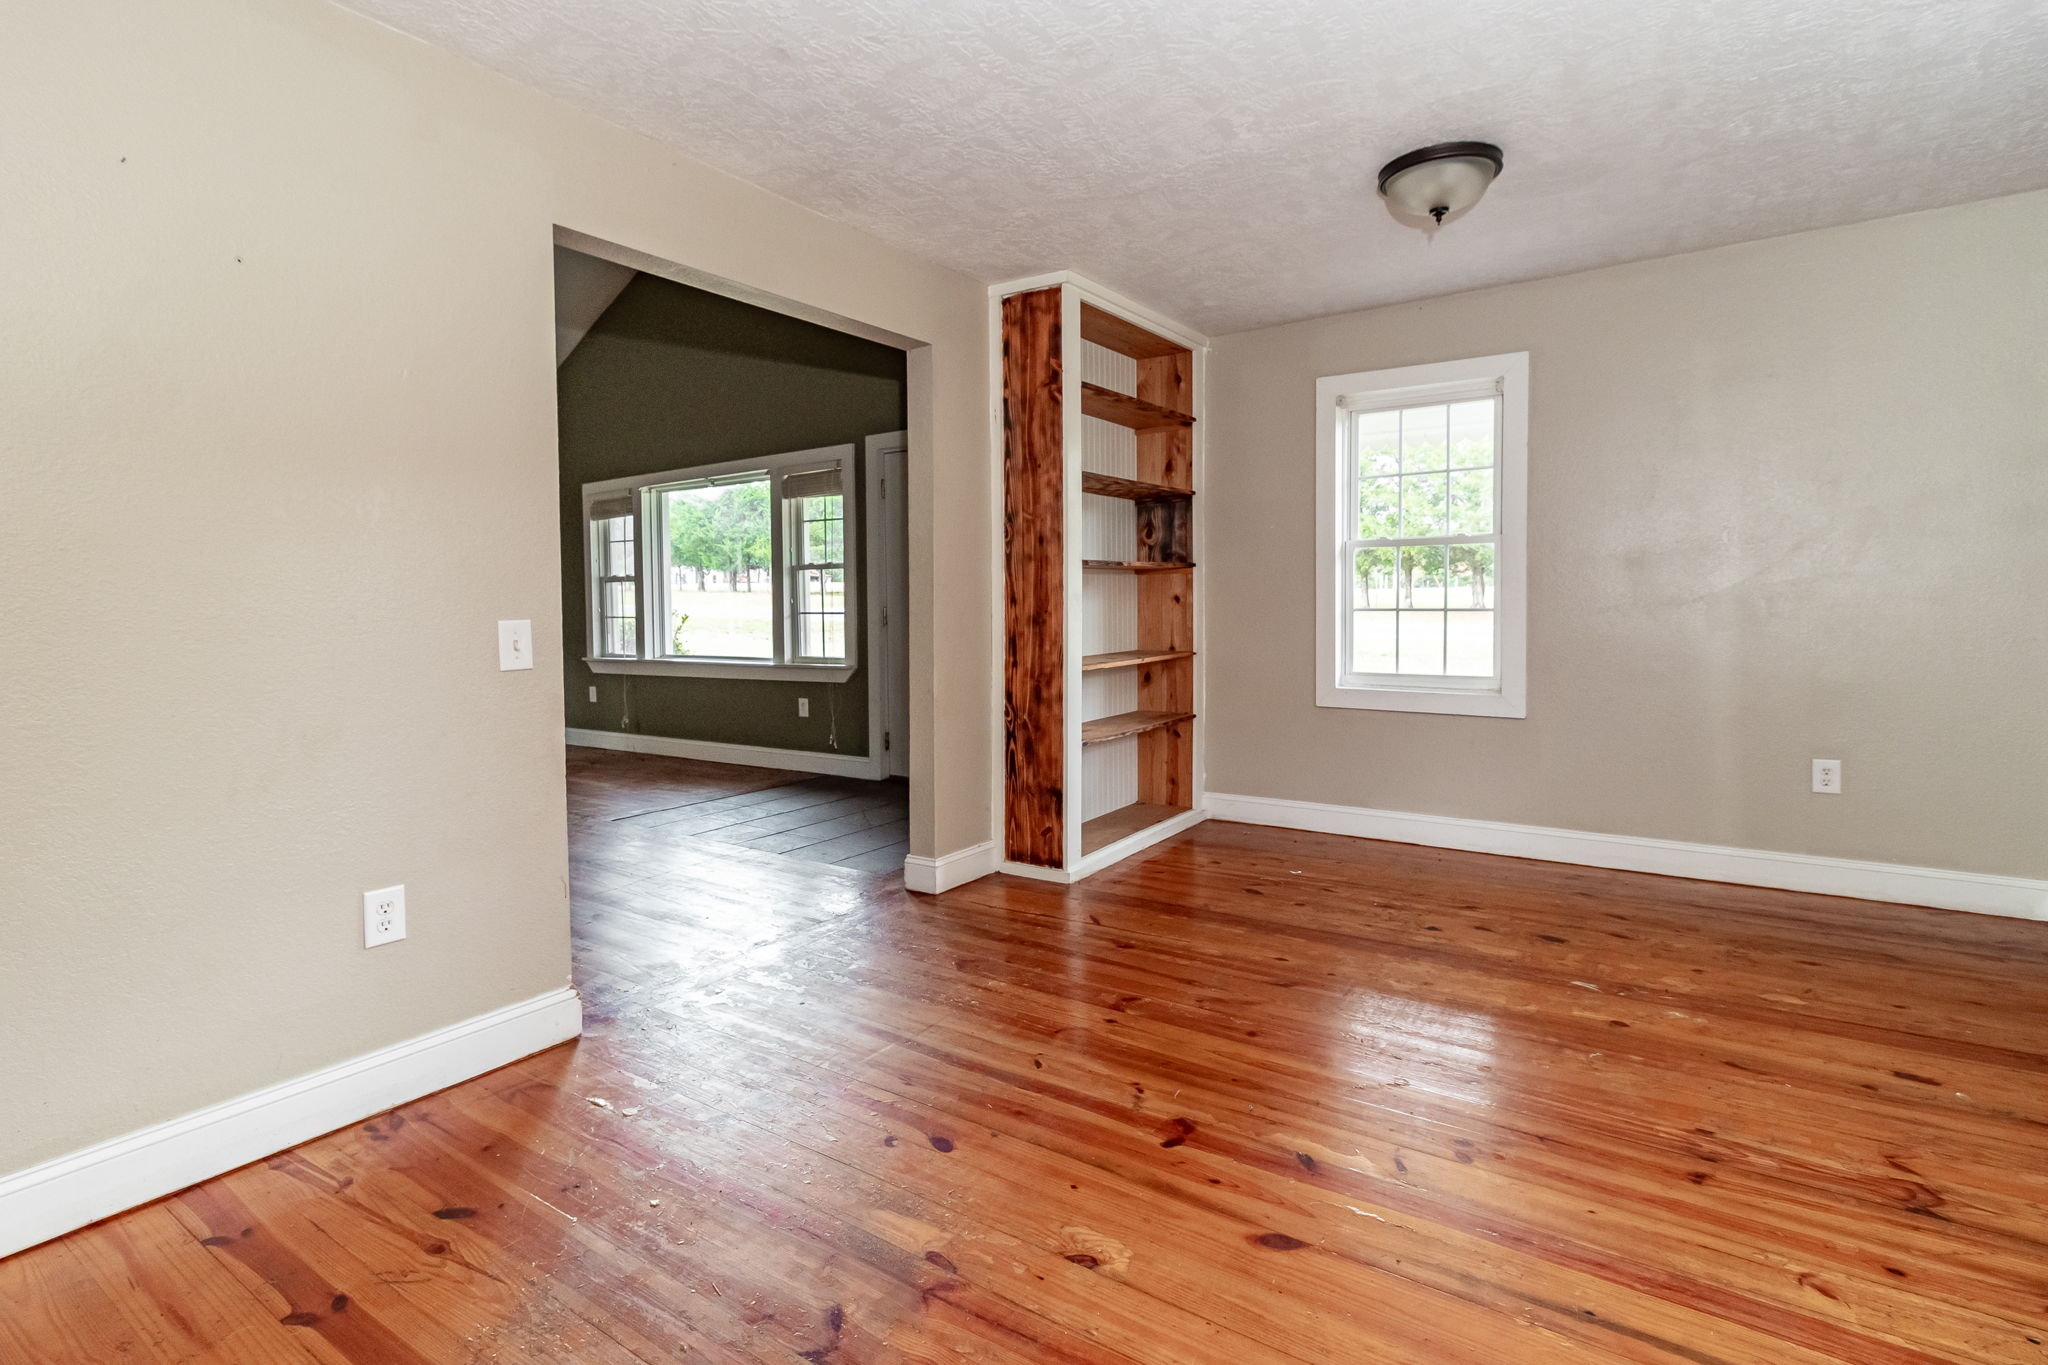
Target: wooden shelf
1132	658
1137	490
1126	411
1131	566
1129	723
1125	338
1123	822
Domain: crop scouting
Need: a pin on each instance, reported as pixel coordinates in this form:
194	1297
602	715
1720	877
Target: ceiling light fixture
1428	187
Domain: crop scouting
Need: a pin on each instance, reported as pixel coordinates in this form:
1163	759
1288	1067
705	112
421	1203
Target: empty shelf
1132	658
1128	724
1125	338
1137	490
1126	411
1105	830
1132	566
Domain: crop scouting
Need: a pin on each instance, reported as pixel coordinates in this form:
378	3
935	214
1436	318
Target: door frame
885	465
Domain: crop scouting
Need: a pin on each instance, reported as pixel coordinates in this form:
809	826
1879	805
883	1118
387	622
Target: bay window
732	570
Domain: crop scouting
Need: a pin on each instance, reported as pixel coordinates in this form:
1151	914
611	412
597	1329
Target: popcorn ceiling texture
1215	158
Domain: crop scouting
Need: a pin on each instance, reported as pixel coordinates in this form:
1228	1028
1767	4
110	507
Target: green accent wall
672	377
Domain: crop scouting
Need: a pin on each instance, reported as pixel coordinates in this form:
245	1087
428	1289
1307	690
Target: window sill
716	668
1442	701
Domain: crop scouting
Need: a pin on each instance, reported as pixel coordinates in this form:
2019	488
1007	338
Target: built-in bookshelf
1100	439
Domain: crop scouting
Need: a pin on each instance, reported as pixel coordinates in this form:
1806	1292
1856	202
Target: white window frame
653	590
1337	398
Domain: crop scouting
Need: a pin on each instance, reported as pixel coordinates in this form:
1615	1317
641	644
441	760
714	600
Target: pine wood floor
1258	1098
632	801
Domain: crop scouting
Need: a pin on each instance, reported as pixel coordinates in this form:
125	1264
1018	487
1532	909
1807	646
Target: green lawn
725	625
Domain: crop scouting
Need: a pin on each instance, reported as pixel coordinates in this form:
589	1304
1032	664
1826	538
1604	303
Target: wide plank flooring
622	802
1253	1098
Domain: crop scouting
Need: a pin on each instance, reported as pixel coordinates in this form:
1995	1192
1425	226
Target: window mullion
650	597
780	568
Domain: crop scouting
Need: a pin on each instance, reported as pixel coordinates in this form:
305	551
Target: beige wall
1787	501
277	369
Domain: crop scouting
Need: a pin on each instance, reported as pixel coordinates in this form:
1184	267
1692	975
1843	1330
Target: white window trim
1335	394
653	594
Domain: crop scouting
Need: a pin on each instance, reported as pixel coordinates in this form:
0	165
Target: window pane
1422	576
821	636
1372	642
823	537
821	613
615	536
1471	569
1472	433
1376	576
621	622
1379	509
716	554
1379	442
1422	642
821	590
1471	503
1423	499
1469	644
1422	437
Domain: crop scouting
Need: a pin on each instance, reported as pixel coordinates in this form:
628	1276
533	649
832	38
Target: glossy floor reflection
1258	1097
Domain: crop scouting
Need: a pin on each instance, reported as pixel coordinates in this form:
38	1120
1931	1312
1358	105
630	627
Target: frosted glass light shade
1436	184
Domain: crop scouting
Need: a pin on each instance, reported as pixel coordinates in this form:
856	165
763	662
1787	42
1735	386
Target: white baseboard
948	870
2017	897
745	755
69	1192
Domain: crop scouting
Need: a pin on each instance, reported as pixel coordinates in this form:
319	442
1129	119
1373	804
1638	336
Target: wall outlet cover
1827	776
383	916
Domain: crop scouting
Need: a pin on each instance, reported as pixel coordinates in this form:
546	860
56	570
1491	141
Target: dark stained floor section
1252	1098
644	801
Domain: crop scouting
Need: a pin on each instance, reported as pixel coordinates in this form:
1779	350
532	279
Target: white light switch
515	644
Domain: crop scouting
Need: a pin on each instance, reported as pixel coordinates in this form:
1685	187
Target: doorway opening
735	584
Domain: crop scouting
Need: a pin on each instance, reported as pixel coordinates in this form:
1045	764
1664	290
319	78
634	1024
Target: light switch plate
515	645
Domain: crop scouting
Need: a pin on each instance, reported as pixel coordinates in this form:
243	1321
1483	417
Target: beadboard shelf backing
1079	752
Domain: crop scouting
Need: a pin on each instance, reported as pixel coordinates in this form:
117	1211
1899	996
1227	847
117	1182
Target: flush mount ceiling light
1428	187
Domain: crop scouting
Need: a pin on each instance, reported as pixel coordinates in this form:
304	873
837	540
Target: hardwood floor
1255	1098
631	801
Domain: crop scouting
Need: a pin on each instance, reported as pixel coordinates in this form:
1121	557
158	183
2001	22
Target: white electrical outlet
803	707
515	645
383	916
1827	776
593	694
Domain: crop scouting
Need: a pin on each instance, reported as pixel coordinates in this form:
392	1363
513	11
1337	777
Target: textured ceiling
1215	158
